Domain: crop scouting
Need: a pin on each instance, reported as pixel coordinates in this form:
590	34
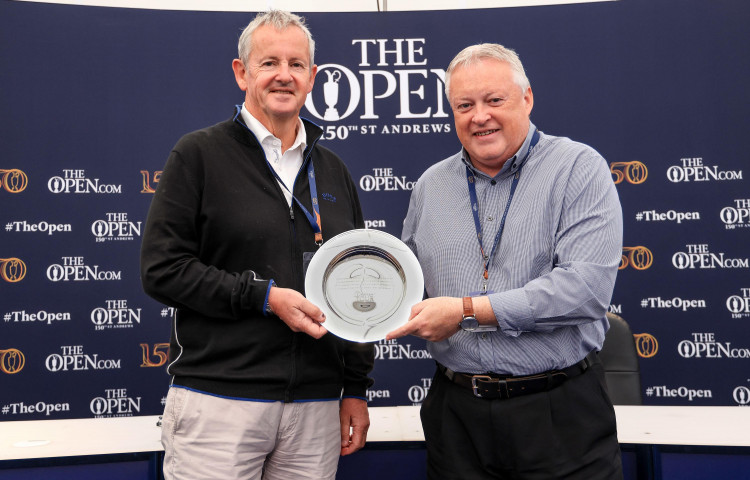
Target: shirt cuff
513	312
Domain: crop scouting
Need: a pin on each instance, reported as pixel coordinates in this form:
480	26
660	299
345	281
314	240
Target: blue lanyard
475	209
314	221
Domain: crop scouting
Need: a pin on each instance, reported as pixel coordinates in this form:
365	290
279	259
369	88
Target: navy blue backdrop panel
92	100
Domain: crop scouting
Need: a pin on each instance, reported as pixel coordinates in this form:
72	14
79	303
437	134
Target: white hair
280	20
471	55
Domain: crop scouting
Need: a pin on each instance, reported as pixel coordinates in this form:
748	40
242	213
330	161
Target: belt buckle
485	379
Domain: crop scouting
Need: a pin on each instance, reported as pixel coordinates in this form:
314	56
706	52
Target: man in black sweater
258	386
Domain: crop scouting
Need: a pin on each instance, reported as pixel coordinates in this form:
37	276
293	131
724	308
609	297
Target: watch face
469	323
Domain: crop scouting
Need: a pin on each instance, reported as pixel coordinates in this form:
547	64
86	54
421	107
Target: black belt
492	386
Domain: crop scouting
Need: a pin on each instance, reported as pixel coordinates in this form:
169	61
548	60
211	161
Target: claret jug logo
12	270
387	68
417	393
640	258
13	180
646	344
741	395
11	361
634	172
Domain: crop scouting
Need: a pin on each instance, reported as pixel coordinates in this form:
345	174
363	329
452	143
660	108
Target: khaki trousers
210	437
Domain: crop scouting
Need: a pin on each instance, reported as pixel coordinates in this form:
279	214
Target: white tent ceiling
313	5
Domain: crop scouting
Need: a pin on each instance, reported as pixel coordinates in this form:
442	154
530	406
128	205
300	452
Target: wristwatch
469	321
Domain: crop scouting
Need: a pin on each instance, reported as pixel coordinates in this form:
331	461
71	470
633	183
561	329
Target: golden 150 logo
160	352
12	269
634	172
640	258
13	180
11	361
646	344
148	180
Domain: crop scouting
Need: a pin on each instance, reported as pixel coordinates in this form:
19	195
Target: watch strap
468	307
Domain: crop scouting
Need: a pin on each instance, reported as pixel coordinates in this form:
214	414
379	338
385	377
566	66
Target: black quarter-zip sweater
218	230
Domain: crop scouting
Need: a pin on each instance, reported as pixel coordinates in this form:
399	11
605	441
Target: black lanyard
475	209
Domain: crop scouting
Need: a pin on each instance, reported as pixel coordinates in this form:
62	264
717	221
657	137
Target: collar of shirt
286	165
266	138
512	165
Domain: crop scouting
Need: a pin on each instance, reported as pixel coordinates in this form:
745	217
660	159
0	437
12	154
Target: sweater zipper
288	396
293	353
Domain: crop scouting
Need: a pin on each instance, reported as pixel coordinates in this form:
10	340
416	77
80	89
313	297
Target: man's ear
528	98
313	73
239	73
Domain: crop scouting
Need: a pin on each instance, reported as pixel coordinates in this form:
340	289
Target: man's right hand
296	311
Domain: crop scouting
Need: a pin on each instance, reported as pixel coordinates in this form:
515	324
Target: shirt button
489	219
493	182
484	336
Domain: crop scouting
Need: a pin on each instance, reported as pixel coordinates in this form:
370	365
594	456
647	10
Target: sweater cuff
267	311
357	389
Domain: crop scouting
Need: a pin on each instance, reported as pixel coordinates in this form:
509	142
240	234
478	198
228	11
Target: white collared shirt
285	165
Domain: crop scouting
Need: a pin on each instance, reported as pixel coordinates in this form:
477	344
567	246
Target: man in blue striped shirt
519	236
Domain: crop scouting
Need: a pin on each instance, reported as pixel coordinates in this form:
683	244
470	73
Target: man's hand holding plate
297	312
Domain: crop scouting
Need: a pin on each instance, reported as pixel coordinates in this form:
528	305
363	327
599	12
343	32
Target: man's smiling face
278	75
491	112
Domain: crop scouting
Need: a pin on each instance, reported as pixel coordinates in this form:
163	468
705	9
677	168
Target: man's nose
481	114
284	73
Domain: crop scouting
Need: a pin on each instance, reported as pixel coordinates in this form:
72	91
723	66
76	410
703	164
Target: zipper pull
291	212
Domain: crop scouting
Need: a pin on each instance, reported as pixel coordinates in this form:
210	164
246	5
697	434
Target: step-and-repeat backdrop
92	99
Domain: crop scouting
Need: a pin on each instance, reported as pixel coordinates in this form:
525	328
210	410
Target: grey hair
280	20
472	54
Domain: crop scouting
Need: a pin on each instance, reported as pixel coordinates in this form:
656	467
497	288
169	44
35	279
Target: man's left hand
355	421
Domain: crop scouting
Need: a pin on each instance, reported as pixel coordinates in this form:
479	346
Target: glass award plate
366	282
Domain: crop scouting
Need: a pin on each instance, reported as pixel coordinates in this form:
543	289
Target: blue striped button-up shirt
552	274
